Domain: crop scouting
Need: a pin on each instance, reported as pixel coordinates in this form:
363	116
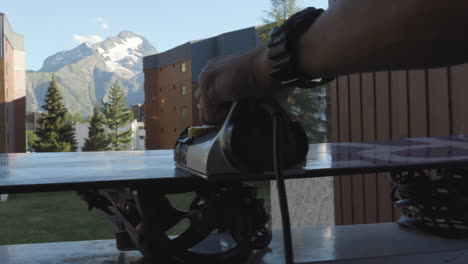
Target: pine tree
310	108
280	11
31	139
97	139
116	116
76	117
55	133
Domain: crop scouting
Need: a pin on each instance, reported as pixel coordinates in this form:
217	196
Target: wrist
309	52
283	50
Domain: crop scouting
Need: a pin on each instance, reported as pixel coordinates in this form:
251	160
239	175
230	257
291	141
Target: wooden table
44	172
81	171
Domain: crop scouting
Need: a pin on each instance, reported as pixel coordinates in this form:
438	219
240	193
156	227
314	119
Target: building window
175	129
142	137
162	130
184	90
173	87
141	128
175	108
183	111
183	68
173	65
160	90
162	110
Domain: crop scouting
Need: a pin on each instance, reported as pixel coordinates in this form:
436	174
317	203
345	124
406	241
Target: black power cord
278	167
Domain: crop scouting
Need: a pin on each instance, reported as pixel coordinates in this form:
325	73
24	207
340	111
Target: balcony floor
373	243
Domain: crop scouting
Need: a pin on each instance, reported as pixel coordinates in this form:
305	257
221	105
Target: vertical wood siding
391	105
458	91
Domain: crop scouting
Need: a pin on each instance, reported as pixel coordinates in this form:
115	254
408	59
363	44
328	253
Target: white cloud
102	23
91	39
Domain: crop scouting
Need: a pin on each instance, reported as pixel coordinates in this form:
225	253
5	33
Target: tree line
56	131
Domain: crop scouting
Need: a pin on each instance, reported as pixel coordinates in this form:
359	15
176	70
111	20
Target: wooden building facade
391	105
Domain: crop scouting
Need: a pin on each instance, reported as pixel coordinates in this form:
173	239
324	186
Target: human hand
229	78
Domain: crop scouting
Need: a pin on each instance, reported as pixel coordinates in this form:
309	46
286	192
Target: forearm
371	35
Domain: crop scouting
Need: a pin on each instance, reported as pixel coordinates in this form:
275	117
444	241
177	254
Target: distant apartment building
12	89
32	119
139	135
171	79
139	112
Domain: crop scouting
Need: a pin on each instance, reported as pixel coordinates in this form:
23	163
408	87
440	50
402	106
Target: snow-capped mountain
60	59
123	54
87	71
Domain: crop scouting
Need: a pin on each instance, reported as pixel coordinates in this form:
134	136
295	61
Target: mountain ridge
85	73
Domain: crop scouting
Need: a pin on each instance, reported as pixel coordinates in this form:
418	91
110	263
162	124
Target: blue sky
50	26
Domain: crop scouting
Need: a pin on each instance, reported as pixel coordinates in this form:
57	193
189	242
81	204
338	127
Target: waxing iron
243	144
